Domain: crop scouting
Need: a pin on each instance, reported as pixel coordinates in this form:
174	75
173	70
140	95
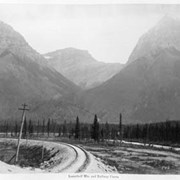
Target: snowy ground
127	158
69	159
152	145
135	158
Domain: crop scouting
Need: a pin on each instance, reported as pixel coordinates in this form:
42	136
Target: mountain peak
69	50
80	67
9	34
167	18
13	42
166	33
71	54
26	77
168	21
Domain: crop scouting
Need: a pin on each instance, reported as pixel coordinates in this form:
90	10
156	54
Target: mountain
147	89
25	76
165	34
81	68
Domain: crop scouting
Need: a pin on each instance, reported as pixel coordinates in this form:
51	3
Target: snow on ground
97	166
137	159
6	168
69	159
65	156
153	145
147	145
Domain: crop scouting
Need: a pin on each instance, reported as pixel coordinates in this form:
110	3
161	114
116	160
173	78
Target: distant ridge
81	68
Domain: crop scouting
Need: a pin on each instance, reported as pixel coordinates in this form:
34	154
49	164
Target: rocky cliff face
81	68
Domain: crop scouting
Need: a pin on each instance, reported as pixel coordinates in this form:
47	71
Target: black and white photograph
90	88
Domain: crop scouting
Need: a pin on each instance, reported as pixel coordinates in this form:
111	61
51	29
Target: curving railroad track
64	158
86	161
80	162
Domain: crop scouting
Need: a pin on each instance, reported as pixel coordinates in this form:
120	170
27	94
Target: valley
66	111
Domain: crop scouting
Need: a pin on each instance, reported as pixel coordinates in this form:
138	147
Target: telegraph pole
23	109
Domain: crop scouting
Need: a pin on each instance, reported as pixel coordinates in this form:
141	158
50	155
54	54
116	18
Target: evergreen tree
30	128
145	133
16	129
54	129
113	133
120	127
64	128
102	135
137	131
72	132
177	132
77	128
156	133
167	128
48	126
11	128
0	127
95	129
7	128
70	126
107	130
38	127
59	131
82	130
86	132
52	126
43	126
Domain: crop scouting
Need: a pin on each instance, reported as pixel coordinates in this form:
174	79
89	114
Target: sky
108	31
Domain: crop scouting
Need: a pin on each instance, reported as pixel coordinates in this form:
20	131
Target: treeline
164	132
50	128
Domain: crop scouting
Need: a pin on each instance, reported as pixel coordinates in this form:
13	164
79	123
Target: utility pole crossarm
24	108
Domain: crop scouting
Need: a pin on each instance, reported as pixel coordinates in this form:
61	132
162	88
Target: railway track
79	162
85	162
81	167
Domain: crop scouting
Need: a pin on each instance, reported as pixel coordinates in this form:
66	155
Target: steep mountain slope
81	68
164	34
148	88
26	77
